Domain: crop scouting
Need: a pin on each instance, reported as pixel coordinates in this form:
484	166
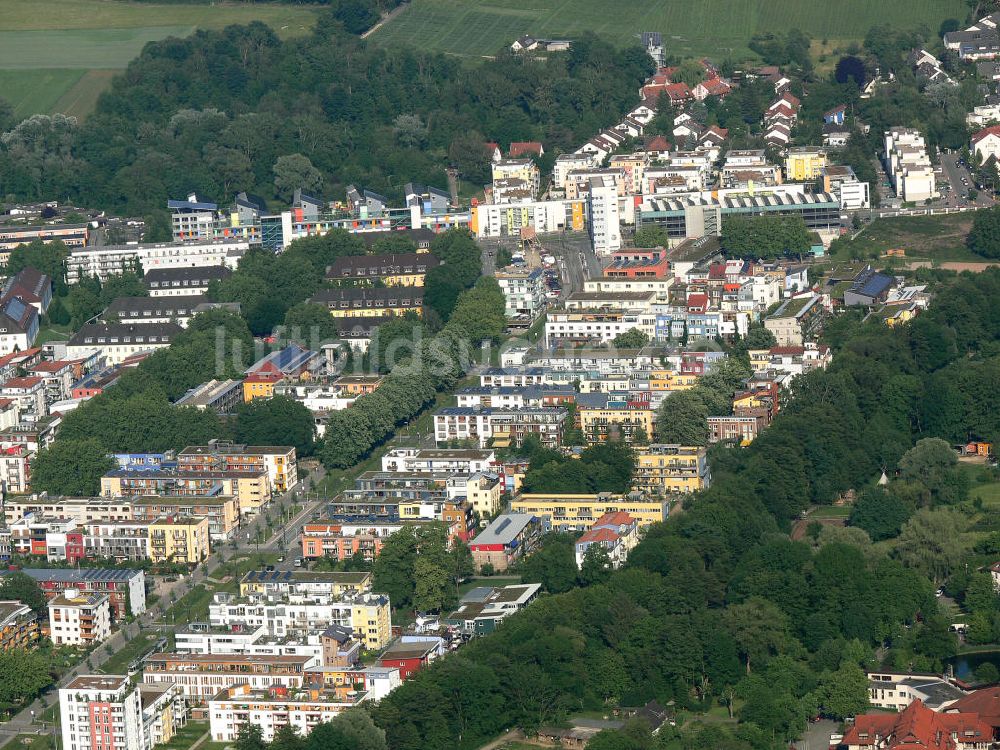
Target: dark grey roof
165	278
137	308
70	575
96	334
356	297
377	266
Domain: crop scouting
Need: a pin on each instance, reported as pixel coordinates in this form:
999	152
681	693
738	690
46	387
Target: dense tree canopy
239	109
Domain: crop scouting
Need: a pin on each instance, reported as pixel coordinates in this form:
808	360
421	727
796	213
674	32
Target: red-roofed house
27	392
493	149
985	703
678	93
986	142
617	532
697	303
519	149
714	135
657	146
918	728
711	87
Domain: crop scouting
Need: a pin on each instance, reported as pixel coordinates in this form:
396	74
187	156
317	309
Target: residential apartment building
15	469
126	587
918	726
508	538
403	269
220	396
251	488
908	165
739	429
179	539
796	319
71	235
367	614
456	460
119	341
498	427
177	309
594	326
508	219
222	512
112	260
524	292
79	619
279	460
804	164
183	281
371	302
519	169
481	610
302	709
102	712
18	625
603	212
617	532
200	677
283	583
663	469
602	419
570	512
121	541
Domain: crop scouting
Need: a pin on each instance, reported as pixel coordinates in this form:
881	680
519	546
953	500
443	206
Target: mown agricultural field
59	55
718	28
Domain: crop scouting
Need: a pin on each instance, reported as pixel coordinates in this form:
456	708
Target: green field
62	61
940	238
719	28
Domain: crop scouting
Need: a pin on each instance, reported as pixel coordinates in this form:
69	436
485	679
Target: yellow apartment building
260	385
180	539
615	419
578	512
221	512
668	380
671	469
804	164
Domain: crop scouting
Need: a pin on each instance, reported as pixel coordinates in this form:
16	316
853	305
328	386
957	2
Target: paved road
817	736
168	591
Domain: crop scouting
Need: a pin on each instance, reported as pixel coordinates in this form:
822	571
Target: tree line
219	121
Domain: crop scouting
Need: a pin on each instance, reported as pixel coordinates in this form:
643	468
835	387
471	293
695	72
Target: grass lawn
33	91
53	332
939	238
134	649
988	493
187	735
719	28
32	742
830	511
61	61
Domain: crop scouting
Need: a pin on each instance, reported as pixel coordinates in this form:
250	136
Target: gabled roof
916	728
985	702
521	148
835	110
17	314
29	284
991	130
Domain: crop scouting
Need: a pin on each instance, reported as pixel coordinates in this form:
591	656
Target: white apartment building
604	220
112	260
523	291
507	220
567	163
453	461
78	619
908	165
518	169
366	614
503	426
201	677
595	326
15	469
254	642
302	710
102	712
